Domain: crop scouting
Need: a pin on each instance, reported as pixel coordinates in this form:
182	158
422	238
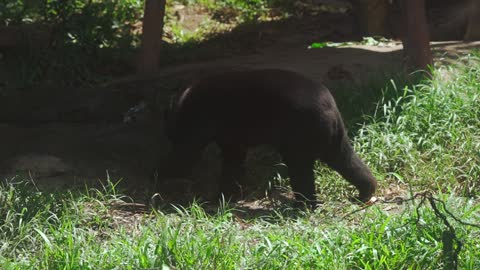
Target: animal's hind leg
233	170
300	171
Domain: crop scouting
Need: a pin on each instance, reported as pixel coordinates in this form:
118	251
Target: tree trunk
416	42
152	32
473	25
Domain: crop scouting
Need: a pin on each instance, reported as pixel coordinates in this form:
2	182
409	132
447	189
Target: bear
238	110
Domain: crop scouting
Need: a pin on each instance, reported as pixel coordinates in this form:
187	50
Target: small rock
39	165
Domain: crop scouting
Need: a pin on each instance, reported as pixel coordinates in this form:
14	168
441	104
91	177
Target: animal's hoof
370	201
365	200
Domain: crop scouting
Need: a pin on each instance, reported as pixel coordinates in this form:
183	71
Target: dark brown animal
284	109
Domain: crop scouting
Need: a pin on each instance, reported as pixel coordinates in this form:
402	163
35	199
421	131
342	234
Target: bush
90	24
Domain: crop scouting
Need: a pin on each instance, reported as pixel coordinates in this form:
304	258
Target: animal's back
257	86
257	105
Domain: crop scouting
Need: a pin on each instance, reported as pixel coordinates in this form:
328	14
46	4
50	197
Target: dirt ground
78	136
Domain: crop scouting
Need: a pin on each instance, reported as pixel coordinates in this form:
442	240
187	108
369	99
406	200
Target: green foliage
79	30
11	12
90	24
97	23
244	10
370	41
428	134
250	9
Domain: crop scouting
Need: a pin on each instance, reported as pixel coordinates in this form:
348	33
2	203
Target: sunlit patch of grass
429	134
82	233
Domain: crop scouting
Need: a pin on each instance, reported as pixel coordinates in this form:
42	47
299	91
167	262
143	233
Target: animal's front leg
233	171
300	171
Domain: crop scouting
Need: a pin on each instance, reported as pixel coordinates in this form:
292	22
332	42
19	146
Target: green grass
83	232
429	135
421	136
